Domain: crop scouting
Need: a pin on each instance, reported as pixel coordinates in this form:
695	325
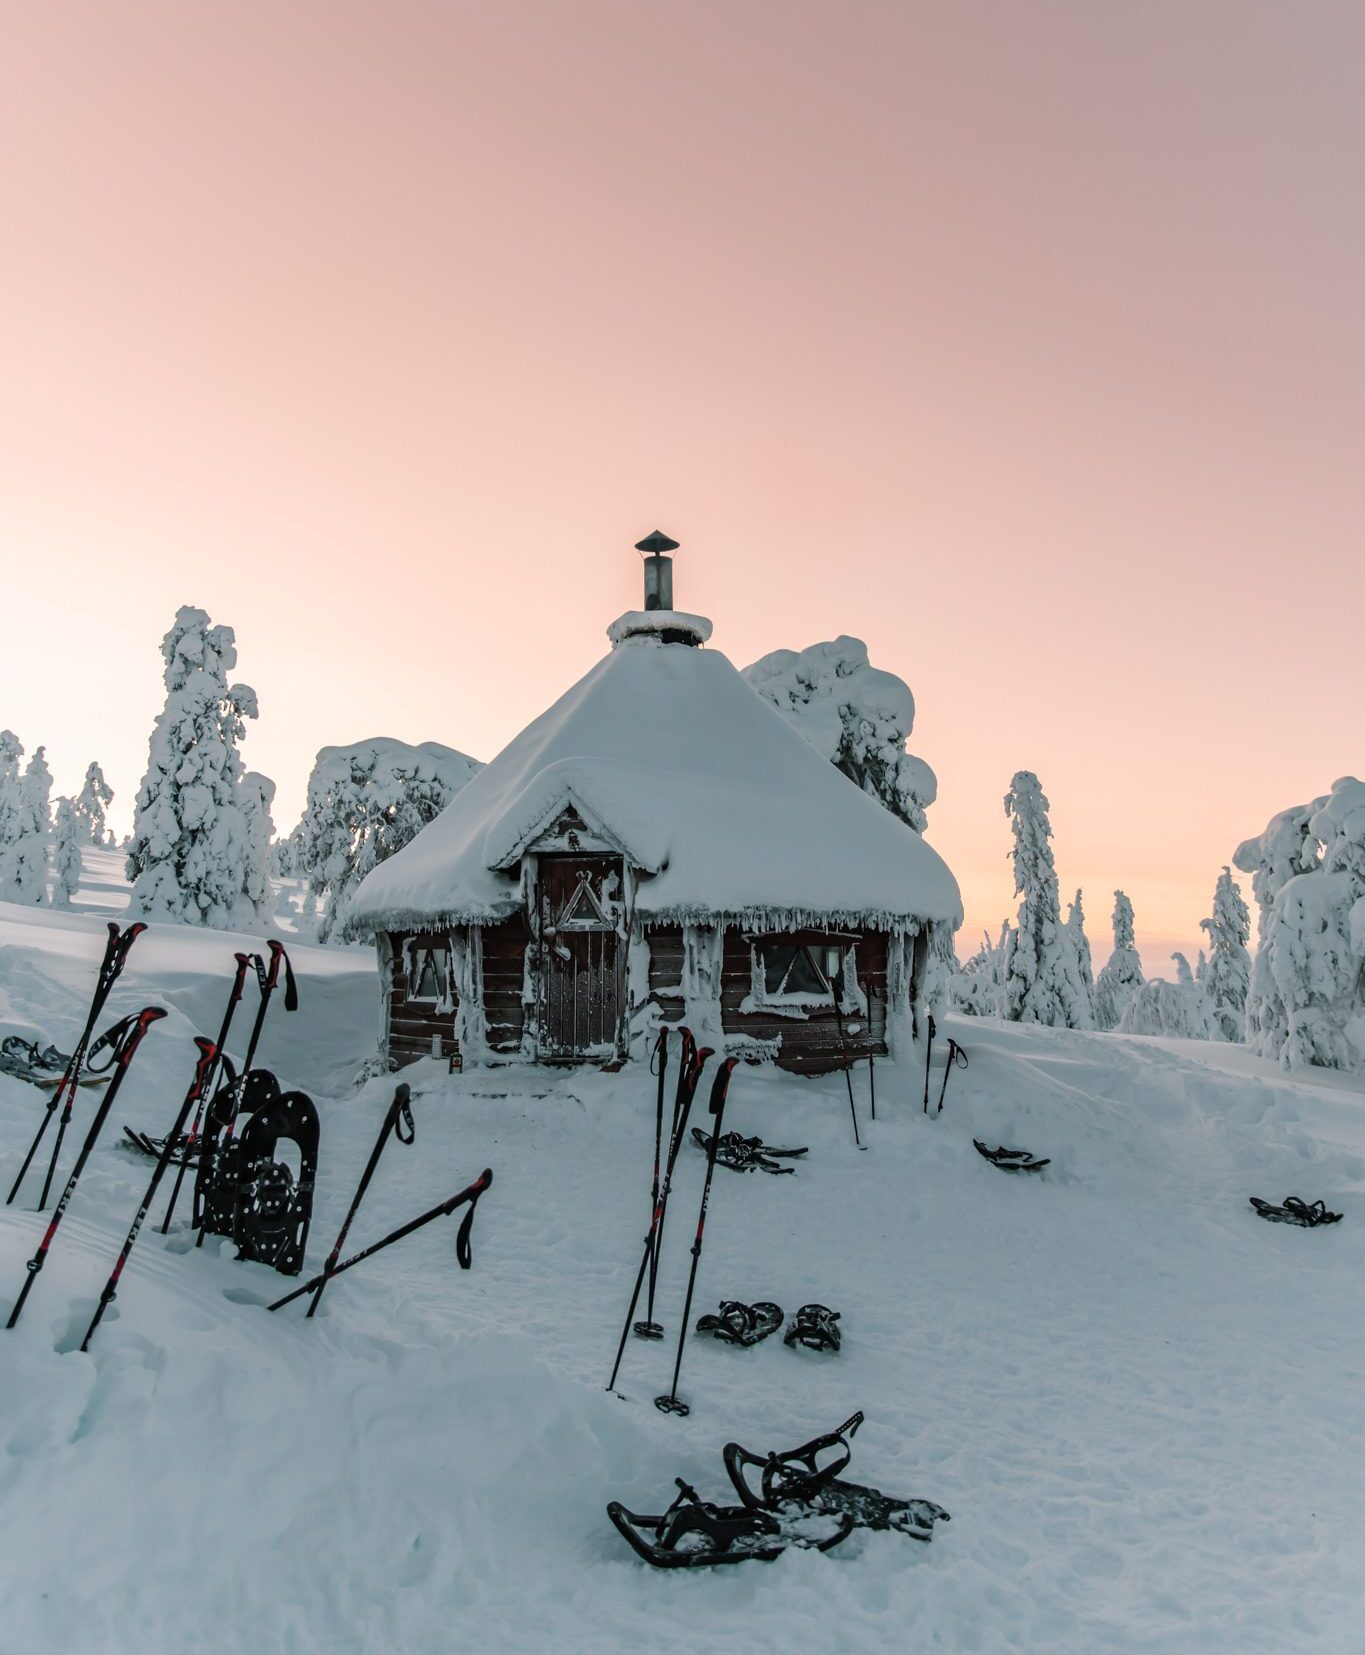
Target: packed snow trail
1141	1404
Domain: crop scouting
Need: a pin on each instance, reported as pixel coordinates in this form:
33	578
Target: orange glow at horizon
1023	343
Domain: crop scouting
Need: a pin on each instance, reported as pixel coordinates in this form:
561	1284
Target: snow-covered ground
1142	1405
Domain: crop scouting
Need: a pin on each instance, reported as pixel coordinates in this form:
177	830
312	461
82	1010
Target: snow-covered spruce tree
23	860
1122	974
257	793
976	988
90	803
1080	945
70	836
189	854
1180	1009
11	785
1042	981
860	718
364	803
1286	849
1227	974
1183	975
1314	941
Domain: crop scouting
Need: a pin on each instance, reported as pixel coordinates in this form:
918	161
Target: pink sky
1023	341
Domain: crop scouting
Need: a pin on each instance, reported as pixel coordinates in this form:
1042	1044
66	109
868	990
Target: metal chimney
658	569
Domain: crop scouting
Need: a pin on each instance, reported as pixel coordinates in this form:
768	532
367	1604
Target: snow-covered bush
257	793
1306	1003
23	852
189	859
71	834
1226	974
1122	974
1180	1008
364	803
976	988
859	717
1042	975
90	805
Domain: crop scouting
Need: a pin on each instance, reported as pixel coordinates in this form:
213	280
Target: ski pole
928	1052
398	1112
115	953
208	1054
690	1065
239	978
124	1039
267	978
872	1074
661	1058
957	1059
463	1250
670	1404
843	1053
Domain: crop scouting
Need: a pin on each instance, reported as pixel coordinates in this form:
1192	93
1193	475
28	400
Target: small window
792	970
428	977
797	978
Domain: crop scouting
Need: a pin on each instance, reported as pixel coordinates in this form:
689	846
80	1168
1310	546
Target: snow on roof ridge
656	625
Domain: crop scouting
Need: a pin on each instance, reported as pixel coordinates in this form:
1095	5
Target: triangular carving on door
583	912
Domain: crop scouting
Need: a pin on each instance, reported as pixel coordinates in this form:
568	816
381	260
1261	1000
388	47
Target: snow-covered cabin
660	837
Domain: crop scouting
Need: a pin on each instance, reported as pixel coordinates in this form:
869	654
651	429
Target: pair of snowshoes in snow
242	1189
747	1154
797	1499
1295	1211
39	1065
813	1326
184	1151
1012	1160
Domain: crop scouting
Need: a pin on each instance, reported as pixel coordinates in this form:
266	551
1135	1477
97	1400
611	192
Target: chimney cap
655	543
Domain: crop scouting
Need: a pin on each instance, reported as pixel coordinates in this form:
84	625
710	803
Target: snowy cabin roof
666	751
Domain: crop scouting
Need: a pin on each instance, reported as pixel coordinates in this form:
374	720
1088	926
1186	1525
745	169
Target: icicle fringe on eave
756	921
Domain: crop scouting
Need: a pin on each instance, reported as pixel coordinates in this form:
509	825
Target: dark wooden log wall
504	959
412	1026
810	1045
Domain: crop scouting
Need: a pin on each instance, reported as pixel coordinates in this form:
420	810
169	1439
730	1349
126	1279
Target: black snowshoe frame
815	1327
737	1323
272	1209
1295	1211
695	1533
746	1154
798	1481
1012	1160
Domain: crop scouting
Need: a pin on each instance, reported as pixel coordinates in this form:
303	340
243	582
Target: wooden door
580	989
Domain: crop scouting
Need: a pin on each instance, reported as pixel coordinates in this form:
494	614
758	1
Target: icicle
703	950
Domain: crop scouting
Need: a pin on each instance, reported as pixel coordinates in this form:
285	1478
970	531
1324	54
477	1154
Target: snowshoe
148	1145
1295	1211
39	1066
1012	1160
220	1162
272	1210
814	1327
797	1481
745	1154
693	1533
742	1324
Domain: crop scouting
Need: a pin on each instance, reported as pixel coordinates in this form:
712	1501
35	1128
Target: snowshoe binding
1012	1160
185	1151
742	1324
746	1154
220	1157
693	1533
805	1480
814	1326
1295	1211
273	1209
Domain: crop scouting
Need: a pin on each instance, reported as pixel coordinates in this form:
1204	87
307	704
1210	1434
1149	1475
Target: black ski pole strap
115	1038
402	1115
658	1059
956	1055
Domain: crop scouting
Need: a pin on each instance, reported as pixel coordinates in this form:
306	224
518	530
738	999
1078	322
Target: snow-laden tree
859	717
71	834
23	868
11	803
1183	975
1042	974
364	803
1310	970
1286	849
94	796
1122	974
257	793
1080	945
1227	974
189	858
976	988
